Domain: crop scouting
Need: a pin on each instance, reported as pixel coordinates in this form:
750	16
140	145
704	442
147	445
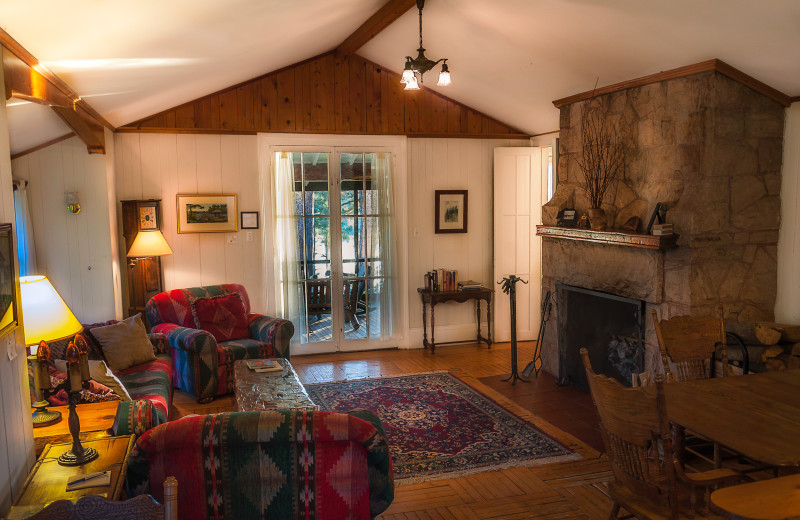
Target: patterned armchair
272	464
203	356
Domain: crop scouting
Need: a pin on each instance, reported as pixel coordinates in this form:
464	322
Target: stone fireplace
709	148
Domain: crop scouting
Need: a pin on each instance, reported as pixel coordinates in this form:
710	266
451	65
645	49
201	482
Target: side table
47	481
433	297
96	420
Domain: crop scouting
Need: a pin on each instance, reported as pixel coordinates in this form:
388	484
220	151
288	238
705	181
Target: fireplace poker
547	306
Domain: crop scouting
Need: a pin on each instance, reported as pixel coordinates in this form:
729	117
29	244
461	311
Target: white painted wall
787	303
450	164
159	166
74	251
16	429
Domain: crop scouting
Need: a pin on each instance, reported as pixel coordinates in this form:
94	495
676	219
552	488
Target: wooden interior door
518	180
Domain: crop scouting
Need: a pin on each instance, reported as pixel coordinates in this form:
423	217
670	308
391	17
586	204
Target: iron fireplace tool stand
537	353
509	287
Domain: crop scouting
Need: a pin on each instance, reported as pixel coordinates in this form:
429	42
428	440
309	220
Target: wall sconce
71	199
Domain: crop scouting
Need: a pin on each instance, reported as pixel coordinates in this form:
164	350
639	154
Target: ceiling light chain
416	67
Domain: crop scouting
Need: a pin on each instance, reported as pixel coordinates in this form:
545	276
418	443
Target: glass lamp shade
444	78
149	243
412	83
408	75
45	316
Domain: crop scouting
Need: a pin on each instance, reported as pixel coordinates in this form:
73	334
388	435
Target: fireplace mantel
612	237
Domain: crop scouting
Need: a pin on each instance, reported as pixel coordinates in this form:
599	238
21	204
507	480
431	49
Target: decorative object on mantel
602	157
567	217
421	64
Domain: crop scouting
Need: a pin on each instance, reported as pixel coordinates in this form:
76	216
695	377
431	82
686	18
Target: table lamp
45	318
147	244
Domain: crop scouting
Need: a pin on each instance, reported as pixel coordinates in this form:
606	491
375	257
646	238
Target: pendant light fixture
416	67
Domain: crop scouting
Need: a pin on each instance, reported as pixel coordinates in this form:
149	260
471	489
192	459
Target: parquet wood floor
570	490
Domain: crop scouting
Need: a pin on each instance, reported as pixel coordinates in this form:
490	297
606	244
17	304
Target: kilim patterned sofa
149	384
287	464
203	364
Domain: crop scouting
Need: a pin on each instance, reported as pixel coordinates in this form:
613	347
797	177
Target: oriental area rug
437	426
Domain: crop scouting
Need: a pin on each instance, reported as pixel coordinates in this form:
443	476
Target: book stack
441	280
264	365
469	285
662	229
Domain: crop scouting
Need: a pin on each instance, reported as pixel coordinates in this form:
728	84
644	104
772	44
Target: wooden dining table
773	499
756	415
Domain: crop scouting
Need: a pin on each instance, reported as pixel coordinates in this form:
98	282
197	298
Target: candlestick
41	378
83	356
73	368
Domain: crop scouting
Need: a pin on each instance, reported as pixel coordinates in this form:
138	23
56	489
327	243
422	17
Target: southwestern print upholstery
203	366
288	464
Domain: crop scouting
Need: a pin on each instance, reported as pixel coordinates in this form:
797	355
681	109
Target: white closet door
518	180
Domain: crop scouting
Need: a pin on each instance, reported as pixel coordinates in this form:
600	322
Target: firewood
789	333
770	352
774	364
790	360
747	332
791	348
755	353
767	334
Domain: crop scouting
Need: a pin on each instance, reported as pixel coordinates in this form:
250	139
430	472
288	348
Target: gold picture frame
207	213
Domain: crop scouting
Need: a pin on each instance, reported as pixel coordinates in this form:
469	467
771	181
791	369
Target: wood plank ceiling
331	93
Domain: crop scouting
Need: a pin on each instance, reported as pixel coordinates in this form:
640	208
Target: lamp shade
149	243
45	316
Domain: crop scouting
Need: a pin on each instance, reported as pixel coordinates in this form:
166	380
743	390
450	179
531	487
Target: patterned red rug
437	426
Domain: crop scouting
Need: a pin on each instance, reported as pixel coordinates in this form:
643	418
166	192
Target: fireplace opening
611	328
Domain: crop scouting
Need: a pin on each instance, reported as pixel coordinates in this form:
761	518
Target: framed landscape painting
207	213
451	211
9	283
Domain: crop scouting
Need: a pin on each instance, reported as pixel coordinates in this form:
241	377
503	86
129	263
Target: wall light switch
233	238
417	234
249	236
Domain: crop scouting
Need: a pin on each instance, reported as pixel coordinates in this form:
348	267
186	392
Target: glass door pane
312	207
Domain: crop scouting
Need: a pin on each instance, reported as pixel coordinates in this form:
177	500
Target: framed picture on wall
207	213
9	284
249	220
451	211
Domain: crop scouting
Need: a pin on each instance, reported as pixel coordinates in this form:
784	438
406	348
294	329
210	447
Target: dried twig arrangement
602	156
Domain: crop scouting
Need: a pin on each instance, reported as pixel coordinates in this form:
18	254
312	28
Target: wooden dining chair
688	345
638	441
90	507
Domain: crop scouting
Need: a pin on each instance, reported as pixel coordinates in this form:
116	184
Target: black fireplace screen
609	326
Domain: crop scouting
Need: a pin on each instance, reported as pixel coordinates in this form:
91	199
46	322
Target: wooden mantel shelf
611	237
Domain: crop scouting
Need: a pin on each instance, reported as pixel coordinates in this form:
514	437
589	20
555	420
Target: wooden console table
433	297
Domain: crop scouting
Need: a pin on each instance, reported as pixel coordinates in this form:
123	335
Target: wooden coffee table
257	391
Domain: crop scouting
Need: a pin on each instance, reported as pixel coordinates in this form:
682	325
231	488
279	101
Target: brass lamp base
71	459
44	417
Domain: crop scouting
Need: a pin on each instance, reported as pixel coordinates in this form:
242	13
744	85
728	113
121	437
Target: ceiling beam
391	11
26	78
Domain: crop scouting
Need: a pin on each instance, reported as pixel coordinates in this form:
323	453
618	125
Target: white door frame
268	144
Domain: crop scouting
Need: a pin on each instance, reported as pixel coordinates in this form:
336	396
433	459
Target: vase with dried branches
602	156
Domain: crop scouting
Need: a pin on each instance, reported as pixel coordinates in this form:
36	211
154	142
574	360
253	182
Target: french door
342	208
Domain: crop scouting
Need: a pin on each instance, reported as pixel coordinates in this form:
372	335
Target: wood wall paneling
327	94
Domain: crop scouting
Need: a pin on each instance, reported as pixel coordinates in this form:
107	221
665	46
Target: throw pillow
100	373
125	344
223	316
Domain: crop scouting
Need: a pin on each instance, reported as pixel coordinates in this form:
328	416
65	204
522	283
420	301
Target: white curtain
285	242
381	242
26	252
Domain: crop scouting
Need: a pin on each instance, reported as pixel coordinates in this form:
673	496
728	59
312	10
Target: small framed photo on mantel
451	211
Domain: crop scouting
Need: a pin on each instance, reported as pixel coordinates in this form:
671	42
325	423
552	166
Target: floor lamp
147	244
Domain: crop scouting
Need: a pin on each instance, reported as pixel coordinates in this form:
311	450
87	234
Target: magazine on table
264	365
